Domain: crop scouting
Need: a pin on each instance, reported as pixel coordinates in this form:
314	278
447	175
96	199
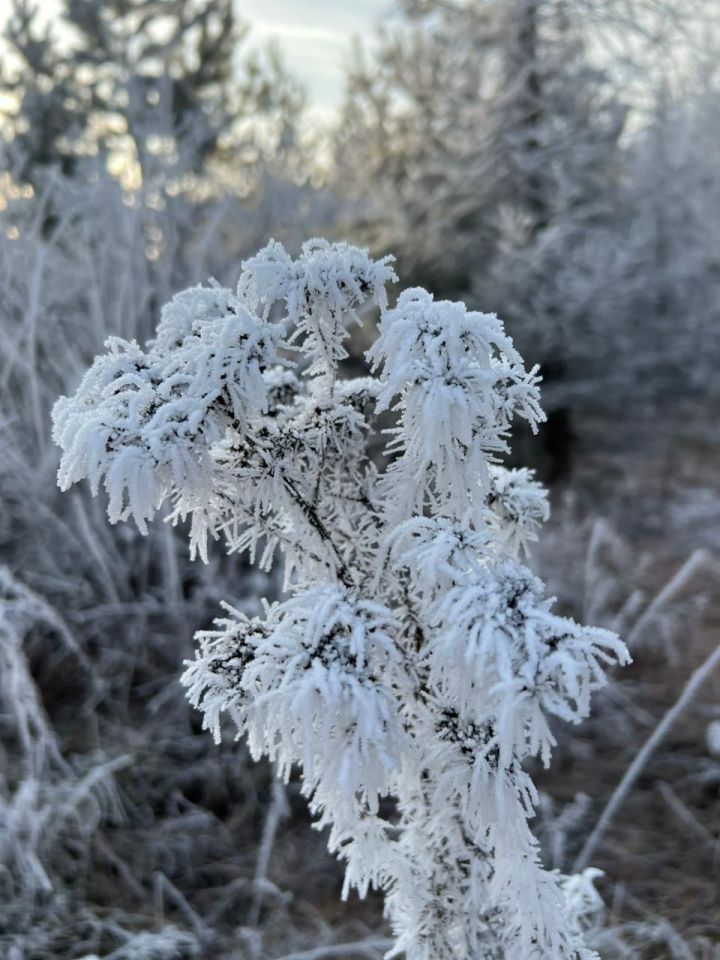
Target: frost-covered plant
416	662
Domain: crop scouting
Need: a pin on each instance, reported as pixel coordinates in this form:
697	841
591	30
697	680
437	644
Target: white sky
315	37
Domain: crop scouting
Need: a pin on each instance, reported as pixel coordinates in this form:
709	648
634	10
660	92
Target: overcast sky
315	37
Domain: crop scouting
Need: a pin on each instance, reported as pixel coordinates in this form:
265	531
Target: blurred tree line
163	86
554	162
548	160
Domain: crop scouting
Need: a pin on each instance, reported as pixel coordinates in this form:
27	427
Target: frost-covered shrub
415	657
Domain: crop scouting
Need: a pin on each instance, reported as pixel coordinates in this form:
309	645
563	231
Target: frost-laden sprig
143	422
458	383
324	288
415	657
520	506
318	683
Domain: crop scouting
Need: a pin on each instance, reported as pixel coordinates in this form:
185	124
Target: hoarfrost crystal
415	657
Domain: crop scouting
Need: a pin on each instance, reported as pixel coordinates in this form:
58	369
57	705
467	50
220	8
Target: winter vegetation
371	647
518	153
416	658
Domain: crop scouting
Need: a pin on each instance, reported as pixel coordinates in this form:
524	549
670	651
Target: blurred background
554	161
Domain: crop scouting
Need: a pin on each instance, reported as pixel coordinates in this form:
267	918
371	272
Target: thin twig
635	768
371	946
697	560
165	887
318	525
122	868
277	811
686	815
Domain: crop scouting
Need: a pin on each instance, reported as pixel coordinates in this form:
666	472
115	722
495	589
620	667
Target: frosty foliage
112	613
415	663
143	423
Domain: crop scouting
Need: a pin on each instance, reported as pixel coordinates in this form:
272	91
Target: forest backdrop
551	161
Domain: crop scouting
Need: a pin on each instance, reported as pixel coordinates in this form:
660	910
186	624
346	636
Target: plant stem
635	768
